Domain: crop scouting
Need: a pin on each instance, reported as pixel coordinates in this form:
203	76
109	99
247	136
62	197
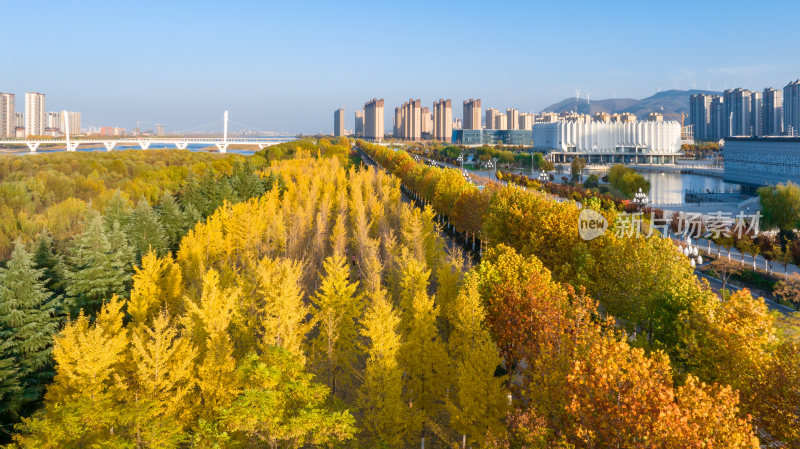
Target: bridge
144	143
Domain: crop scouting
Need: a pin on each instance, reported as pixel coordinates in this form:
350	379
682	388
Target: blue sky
287	65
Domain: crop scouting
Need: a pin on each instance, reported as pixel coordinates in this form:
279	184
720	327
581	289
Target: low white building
643	142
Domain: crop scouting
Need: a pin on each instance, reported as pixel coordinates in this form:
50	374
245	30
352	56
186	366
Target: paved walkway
736	255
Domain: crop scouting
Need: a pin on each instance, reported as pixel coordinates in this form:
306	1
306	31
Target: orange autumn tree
572	369
619	397
524	305
540	328
469	210
736	342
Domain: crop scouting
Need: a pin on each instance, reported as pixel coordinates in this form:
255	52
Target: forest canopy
302	298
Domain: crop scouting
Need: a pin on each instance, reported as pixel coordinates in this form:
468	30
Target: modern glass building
760	161
470	137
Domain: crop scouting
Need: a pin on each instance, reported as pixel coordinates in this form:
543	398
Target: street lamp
491	164
543	177
461	160
691	252
640	198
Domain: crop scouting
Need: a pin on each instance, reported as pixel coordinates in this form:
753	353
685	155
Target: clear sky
287	65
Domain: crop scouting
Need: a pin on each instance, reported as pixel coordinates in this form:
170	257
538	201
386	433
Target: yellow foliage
89	356
157	284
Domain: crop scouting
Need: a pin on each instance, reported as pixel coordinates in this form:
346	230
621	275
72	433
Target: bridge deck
144	143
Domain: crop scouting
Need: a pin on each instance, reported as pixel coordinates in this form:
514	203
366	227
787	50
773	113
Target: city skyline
249	66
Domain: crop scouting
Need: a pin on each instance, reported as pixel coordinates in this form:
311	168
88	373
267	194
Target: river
666	187
670	187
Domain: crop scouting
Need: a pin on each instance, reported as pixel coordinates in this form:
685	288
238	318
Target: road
716	286
450	240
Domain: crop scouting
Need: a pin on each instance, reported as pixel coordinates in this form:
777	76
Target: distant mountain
669	102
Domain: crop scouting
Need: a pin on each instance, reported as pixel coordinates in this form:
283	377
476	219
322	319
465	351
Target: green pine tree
246	182
145	232
96	270
118	210
123	256
193	216
28	322
219	191
208	193
191	195
172	219
9	390
52	263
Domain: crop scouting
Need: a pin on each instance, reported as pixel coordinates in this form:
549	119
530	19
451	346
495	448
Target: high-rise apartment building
512	118
414	119
756	114
19	120
443	120
500	121
159	130
472	114
358	128
74	122
700	116
772	105
427	123
491	117
791	108
53	121
717	125
35	117
7	115
655	117
338	122
456	124
408	120
739	112
526	120
373	120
